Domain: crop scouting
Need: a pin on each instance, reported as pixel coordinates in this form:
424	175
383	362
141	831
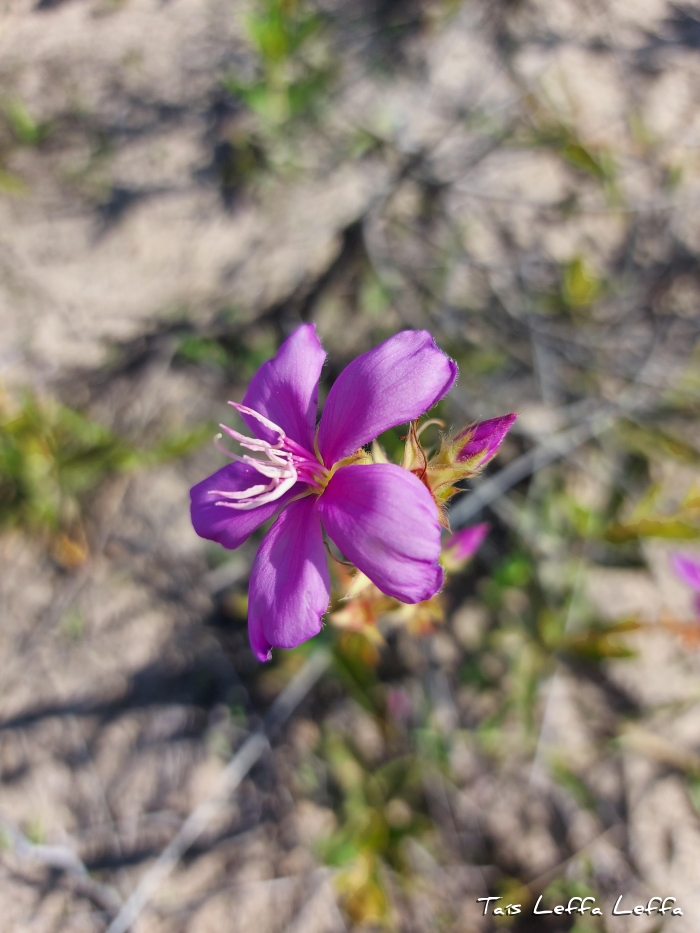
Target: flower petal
385	521
392	384
289	583
231	527
285	389
688	569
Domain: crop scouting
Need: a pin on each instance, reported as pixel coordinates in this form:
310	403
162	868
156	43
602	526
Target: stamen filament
243	493
262	499
285	463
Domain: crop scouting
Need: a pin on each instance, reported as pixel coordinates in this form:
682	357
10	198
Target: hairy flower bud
481	441
458	458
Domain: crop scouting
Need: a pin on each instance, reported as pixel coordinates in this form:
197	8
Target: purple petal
285	389
463	544
289	583
231	527
688	569
385	521
484	439
392	384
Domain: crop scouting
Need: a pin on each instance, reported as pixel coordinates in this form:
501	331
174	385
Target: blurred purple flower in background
462	545
688	569
381	516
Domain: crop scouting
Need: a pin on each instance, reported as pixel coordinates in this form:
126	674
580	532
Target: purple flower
398	704
462	545
688	569
380	516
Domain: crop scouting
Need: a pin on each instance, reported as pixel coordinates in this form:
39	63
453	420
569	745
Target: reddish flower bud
457	459
482	440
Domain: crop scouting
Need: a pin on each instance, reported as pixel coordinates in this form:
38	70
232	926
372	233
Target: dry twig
64	859
236	770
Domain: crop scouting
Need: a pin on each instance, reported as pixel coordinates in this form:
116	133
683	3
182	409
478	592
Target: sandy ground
117	683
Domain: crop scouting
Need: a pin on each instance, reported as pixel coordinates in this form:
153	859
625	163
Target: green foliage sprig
52	457
290	79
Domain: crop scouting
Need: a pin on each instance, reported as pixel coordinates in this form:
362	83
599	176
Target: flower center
284	463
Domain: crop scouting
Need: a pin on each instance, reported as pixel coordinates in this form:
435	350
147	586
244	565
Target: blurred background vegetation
180	187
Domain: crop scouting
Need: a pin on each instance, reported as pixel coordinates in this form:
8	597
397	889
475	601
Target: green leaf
179	444
654	443
302	94
515	570
652	528
202	350
25	128
563	774
694	792
52	456
338	850
591	162
580	287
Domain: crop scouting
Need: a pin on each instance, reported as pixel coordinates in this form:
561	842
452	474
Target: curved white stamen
271	471
279	468
242	493
284	464
243	409
247	505
252	443
220	447
278	465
